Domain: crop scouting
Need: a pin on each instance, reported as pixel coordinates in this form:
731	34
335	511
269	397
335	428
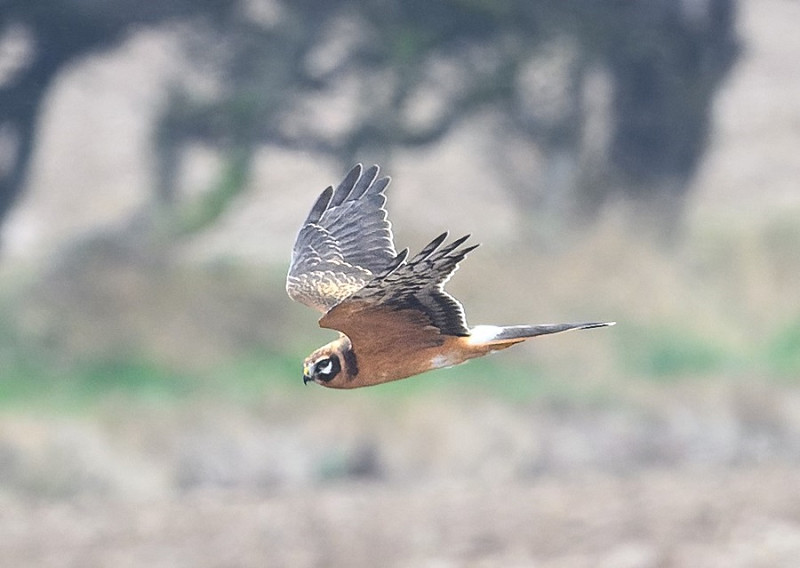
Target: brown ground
661	518
707	480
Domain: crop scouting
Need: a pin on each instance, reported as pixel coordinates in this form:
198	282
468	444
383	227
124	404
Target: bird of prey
394	318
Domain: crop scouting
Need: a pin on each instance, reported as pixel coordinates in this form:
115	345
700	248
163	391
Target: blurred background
628	161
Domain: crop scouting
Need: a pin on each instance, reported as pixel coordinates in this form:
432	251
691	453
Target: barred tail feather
510	334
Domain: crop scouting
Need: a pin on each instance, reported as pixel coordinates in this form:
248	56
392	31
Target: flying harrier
393	316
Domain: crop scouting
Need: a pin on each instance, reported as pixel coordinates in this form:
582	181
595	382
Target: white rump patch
481	334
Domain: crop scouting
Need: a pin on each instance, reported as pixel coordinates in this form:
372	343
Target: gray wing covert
344	242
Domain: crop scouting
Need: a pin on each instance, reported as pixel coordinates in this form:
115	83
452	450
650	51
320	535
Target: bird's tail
506	336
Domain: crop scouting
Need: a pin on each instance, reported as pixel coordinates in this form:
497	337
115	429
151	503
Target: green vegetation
142	380
672	352
167	333
659	353
782	352
245	379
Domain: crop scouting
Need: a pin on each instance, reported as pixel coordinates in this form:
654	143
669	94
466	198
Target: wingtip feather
379	185
428	249
344	189
396	262
320	205
363	183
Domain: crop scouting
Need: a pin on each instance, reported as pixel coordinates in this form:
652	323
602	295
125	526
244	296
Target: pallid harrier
394	317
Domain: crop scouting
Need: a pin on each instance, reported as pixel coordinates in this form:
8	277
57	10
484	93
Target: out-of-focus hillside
752	168
92	166
732	272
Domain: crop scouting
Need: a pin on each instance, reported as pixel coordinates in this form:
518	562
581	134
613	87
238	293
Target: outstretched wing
407	300
343	243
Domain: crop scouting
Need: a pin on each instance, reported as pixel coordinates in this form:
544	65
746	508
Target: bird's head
331	365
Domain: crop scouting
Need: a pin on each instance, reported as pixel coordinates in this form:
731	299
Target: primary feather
345	240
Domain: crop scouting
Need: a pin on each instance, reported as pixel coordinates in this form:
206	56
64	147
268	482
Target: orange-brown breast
392	344
389	358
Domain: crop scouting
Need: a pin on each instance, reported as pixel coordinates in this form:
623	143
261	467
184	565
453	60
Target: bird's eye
327	368
324	367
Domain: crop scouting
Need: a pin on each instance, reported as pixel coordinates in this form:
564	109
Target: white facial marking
483	334
325	368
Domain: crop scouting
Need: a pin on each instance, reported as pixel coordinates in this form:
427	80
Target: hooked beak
307	378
